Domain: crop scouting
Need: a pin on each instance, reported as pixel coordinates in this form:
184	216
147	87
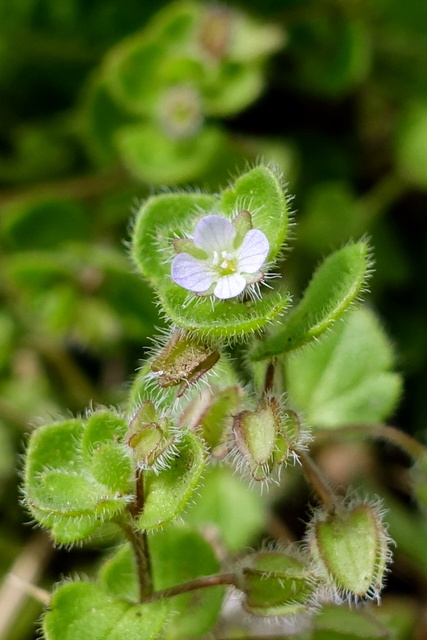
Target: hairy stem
193	585
318	481
139	540
395	436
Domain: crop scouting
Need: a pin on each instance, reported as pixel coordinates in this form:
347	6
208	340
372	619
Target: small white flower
220	263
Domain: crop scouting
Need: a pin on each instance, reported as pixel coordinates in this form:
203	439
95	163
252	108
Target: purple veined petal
214	233
229	286
253	251
191	273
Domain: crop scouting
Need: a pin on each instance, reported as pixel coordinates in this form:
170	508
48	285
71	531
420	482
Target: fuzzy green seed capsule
150	438
350	549
275	583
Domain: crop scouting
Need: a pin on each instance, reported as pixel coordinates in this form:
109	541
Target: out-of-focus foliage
102	103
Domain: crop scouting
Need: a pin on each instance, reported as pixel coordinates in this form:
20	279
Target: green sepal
341	623
351	549
261	192
183	360
85	610
171	551
186	245
168	491
275	583
263	436
153	156
347	376
336	284
227	318
76	476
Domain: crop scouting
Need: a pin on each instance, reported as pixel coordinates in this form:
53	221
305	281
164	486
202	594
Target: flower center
224	263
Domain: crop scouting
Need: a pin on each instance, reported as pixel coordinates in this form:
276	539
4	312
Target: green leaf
168	492
155	157
99	120
228	318
411	144
261	192
341	623
78	475
233	87
345	378
43	223
84	610
337	283
178	555
227	503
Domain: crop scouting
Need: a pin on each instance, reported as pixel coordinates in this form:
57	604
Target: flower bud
183	360
264	437
350	549
275	583
150	437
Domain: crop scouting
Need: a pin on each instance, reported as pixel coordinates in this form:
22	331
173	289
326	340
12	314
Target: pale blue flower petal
253	251
229	286
191	273
214	233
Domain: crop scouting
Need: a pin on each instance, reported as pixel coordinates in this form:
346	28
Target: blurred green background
102	102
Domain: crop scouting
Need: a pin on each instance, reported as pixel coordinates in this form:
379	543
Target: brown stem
192	585
395	436
318	482
139	540
269	377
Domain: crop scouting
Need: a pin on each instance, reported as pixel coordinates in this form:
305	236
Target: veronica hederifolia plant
210	259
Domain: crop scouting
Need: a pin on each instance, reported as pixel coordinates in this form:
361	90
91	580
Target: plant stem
193	585
395	436
139	541
269	377
318	482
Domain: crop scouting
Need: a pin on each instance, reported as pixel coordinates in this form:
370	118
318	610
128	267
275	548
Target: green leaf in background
336	284
168	492
332	53
78	475
43	223
152	156
98	120
341	623
411	144
227	503
347	377
178	555
85	610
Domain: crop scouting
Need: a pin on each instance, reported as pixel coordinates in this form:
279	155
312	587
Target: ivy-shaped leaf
78	475
178	554
347	377
85	610
168	492
336	284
